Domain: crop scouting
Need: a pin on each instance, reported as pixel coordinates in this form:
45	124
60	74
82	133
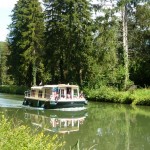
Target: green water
102	126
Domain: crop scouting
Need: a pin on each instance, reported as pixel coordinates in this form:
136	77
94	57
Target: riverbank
103	94
13	89
108	94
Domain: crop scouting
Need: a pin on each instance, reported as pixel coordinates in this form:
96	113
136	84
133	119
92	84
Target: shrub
20	137
109	94
13	89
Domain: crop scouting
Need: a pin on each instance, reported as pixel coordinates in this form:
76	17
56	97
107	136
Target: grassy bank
103	94
107	94
16	136
13	89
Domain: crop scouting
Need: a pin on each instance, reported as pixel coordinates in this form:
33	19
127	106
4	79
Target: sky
5	11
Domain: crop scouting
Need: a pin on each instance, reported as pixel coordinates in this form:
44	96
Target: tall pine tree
26	41
68	39
4	52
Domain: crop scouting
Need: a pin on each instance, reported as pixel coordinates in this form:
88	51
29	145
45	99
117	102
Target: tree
26	41
4	52
125	44
127	10
68	39
107	46
140	44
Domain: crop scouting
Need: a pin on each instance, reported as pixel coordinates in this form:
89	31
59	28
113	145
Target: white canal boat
54	96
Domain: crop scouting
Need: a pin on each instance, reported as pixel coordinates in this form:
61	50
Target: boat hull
53	104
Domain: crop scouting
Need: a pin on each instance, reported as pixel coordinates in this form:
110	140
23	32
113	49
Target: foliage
108	53
108	94
25	42
20	137
13	89
77	48
108	46
141	97
4	52
68	40
140	45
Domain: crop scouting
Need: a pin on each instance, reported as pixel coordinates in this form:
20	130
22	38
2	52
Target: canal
101	126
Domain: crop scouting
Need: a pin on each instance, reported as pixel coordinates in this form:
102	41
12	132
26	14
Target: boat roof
36	87
68	85
53	86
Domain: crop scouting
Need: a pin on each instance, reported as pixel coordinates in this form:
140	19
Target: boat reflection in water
57	121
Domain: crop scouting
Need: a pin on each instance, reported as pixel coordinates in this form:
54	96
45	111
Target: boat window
47	94
75	92
33	93
40	94
62	93
68	92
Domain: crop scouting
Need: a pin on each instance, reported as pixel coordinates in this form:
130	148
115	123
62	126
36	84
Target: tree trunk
80	77
125	45
34	70
34	73
61	63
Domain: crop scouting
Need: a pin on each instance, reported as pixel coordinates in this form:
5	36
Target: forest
106	43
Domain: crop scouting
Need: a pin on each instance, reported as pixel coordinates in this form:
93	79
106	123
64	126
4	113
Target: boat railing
39	95
27	93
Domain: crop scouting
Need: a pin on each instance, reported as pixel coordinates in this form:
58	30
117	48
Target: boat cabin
60	91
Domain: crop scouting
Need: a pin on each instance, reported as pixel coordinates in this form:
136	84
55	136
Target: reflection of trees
107	126
139	132
127	139
116	127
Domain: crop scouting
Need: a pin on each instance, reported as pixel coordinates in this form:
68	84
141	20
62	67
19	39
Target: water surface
102	126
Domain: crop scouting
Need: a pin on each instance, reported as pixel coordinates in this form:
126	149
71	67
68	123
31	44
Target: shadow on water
99	127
